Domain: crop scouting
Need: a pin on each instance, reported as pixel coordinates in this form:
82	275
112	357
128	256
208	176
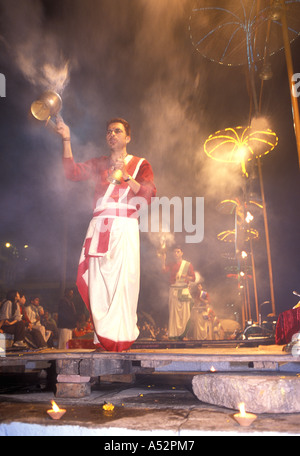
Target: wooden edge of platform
262	353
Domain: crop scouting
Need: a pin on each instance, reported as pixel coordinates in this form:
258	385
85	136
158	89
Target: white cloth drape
109	271
115	290
179	313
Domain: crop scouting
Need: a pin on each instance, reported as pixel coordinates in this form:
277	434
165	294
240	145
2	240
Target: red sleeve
79	171
145	179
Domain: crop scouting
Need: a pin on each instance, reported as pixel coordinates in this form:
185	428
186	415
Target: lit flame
241	407
212	369
55	407
249	217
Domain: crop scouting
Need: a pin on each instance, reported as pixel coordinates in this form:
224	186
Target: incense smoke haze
107	58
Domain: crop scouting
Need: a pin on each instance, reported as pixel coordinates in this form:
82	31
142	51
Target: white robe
109	273
179	305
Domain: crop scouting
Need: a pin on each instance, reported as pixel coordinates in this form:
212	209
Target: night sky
135	59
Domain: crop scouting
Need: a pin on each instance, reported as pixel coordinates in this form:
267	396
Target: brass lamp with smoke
115	174
48	106
115	177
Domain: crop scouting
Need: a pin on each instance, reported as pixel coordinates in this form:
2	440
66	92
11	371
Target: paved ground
156	405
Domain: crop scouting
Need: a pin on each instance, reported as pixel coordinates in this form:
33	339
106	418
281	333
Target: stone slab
61	378
126	378
260	393
73	390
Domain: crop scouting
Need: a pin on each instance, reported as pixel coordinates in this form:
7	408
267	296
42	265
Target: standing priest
109	267
181	273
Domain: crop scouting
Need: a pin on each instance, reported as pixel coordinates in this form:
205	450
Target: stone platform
151	389
76	368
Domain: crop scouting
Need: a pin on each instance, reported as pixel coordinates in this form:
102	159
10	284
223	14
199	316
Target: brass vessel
47	106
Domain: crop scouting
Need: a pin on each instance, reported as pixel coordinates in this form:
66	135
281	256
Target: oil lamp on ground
244	418
56	413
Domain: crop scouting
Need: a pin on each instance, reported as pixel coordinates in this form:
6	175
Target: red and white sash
100	243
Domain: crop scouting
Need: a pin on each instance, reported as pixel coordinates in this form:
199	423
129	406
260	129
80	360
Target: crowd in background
30	325
33	326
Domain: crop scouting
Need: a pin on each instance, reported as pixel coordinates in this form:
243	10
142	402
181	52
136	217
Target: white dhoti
109	282
114	283
179	311
200	327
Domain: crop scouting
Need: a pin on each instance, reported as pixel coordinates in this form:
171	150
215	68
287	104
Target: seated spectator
50	324
55	317
33	336
146	331
11	318
34	312
162	333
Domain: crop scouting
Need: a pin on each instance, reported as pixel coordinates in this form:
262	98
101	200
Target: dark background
135	59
